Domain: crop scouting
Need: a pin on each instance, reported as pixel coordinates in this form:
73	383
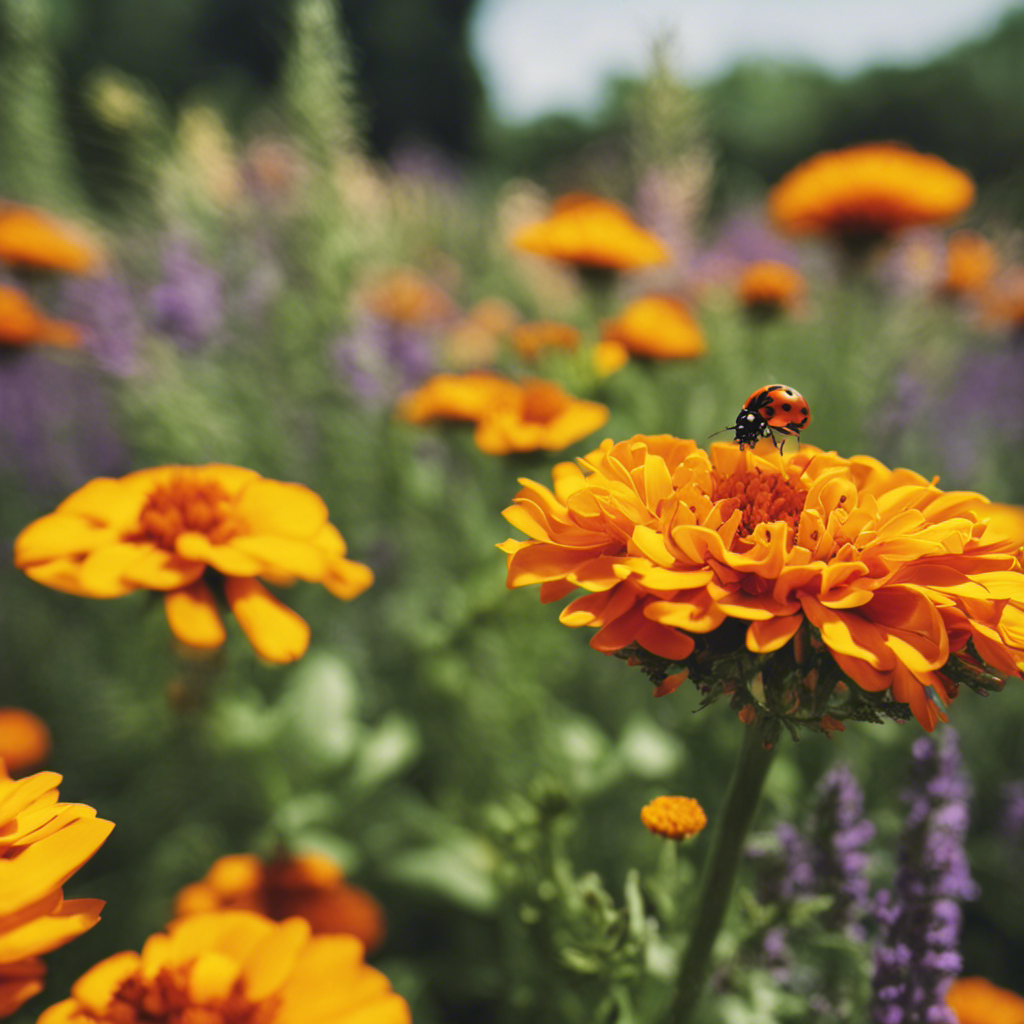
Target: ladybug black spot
803	411
786	406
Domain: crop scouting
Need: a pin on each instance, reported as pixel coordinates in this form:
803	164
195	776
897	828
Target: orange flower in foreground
902	582
29	238
408	296
175	529
538	336
234	967
657	327
588	231
22	324
25	741
538	415
310	886
978	1001
868	191
674	817
770	286
42	844
970	264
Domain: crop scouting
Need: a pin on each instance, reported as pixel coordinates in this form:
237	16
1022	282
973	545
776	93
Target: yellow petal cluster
171	528
668	541
510	417
770	286
869	191
309	885
588	231
657	327
674	817
234	967
43	842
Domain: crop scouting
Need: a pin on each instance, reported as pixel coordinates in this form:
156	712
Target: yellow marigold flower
1008	520
657	327
669	542
230	967
22	324
978	1001
970	264
537	336
588	231
539	415
868	191
171	528
308	885
42	844
674	817
455	396
770	286
407	296
30	238
25	741
610	356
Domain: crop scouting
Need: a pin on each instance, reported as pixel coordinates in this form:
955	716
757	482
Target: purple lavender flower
103	308
380	358
187	303
839	831
918	956
57	428
743	239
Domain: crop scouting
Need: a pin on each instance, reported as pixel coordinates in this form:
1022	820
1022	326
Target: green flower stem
720	871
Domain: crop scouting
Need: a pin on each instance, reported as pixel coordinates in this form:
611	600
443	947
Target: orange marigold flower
539	415
234	967
175	529
309	885
868	191
978	1001
674	817
610	356
25	741
408	296
22	324
454	396
588	231
770	286
30	238
42	844
896	577
537	336
657	327
970	264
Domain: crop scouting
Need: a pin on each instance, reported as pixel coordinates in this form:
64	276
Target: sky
543	55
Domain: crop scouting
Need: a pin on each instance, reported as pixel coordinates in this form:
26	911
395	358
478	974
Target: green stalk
719	873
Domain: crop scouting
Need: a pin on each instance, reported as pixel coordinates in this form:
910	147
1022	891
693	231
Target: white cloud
540	55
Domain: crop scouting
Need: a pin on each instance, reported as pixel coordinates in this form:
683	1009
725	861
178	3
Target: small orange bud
671	683
674	817
831	725
25	741
748	716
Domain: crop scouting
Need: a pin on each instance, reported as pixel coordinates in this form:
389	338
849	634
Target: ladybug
770	408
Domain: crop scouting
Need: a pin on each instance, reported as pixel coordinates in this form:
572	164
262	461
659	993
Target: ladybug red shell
770	408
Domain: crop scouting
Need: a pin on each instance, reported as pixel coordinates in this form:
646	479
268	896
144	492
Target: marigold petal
95	989
849	634
297	557
274	959
773	634
537	563
275	507
57	536
665	641
47	933
347	579
212	977
157	569
276	632
193	617
228	559
101	573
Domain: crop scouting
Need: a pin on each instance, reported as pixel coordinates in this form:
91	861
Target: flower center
165	1000
760	497
187	502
